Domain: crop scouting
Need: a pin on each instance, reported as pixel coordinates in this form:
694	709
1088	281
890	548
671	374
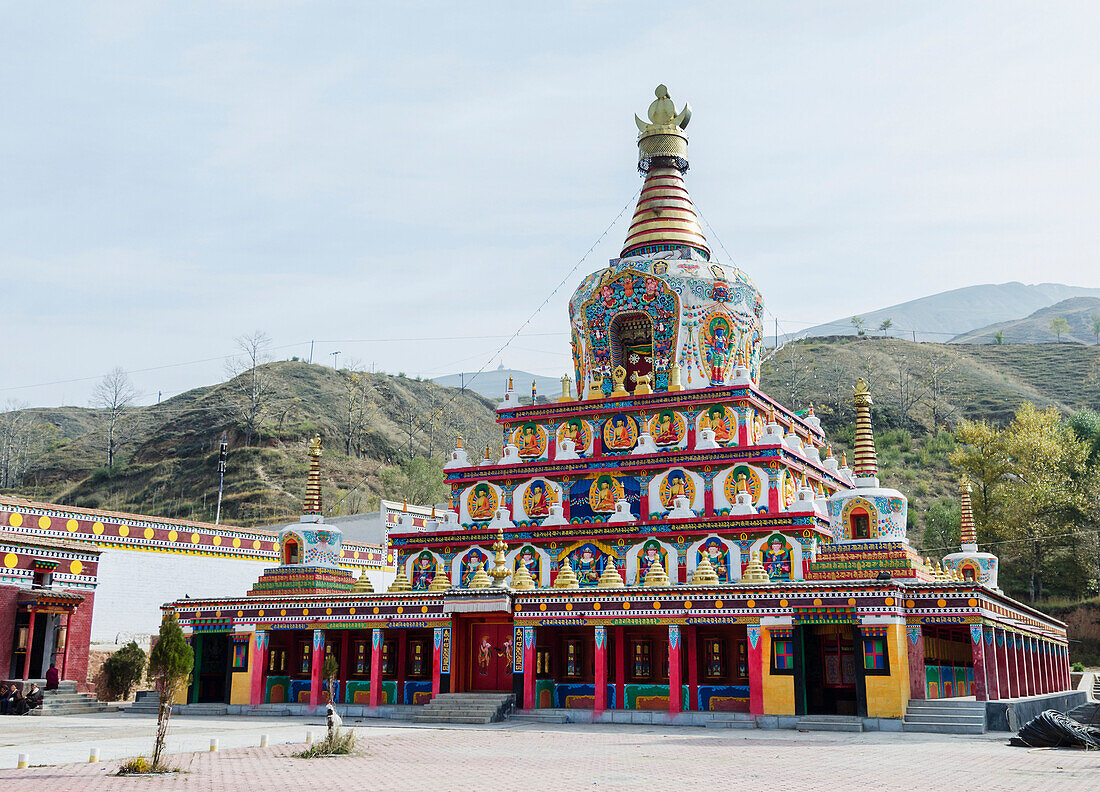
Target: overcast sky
175	175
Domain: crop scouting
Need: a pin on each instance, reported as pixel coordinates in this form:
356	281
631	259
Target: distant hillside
492	384
940	317
1079	312
168	458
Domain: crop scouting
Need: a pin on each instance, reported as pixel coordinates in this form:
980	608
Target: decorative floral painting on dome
667	428
676	484
530	439
423	571
631	291
620	432
529	557
652	553
723	420
775	555
588	562
538	498
577	430
752	483
603	493
719	556
481	502
468	566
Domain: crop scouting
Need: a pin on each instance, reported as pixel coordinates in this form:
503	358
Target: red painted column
30	646
345	657
743	419
529	700
675	683
693	667
317	662
601	670
1027	657
375	667
258	659
977	656
914	644
643	499
708	494
1044	665
999	640
620	668
437	665
756	658
1011	641
992	676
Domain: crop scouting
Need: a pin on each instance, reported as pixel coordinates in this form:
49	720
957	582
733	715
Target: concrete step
943	728
730	724
833	723
913	717
428	717
539	717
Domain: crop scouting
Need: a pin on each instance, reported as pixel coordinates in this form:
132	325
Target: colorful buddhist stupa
664	536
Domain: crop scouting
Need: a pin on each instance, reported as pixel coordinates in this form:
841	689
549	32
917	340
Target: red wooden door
492	657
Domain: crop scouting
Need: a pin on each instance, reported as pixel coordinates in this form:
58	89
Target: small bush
340	743
123	670
1078	667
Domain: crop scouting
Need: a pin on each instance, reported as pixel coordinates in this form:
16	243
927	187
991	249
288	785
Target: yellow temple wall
778	688
888	695
240	691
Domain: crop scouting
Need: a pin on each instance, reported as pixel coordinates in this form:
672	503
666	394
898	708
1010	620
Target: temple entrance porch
832	678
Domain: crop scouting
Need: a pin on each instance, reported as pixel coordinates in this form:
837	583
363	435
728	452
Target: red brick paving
530	759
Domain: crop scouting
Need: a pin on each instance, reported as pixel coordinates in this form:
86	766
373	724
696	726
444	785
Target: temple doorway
210	678
632	346
831	670
491	661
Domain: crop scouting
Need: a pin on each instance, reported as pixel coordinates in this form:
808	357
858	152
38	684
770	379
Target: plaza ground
528	757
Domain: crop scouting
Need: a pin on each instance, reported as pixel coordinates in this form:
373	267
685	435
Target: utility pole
335	357
777	332
310	351
221	477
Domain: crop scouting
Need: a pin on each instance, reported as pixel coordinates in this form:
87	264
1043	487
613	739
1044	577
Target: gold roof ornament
567	578
566	389
969	535
522	580
400	583
480	580
363	585
656	575
755	574
866	459
674	383
610	577
664	136
704	574
618	378
500	571
312	503
440	582
595	388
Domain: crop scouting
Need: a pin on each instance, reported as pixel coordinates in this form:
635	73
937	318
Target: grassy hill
374	425
1079	313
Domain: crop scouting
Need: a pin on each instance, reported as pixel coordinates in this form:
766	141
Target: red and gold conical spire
969	534
313	486
665	218
866	464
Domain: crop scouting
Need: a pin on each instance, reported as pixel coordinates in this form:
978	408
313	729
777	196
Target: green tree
999	337
942	528
170	665
1096	328
1059	325
329	671
885	326
860	324
123	669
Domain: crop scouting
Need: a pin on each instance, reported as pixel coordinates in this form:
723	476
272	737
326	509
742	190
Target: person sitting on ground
5	699
53	677
33	699
17	706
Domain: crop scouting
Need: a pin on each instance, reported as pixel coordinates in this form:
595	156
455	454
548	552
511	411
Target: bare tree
909	388
936	373
114	395
359	409
23	439
251	383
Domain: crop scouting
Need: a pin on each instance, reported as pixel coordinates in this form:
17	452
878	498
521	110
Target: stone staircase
944	716
466	708
202	710
1096	686
145	703
66	700
833	723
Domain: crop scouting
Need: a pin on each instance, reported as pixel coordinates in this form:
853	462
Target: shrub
136	766
123	670
339	743
1078	667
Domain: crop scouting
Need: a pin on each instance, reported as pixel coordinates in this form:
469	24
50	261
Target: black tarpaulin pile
1052	729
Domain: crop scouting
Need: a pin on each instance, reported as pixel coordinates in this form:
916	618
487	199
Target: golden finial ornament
440	582
828	450
567	578
866	459
363	585
522	580
642	387
459	443
487	457
704	574
400	583
618	379
610	577
500	571
742	483
480	580
655	575
595	388
674	378
566	389
315	446
663	139
704	422
755	574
